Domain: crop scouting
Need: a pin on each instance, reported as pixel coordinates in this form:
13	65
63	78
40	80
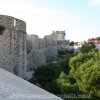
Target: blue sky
79	18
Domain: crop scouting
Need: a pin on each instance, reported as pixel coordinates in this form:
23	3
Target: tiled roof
95	41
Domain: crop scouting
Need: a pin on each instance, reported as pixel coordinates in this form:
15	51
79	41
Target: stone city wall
13	45
40	50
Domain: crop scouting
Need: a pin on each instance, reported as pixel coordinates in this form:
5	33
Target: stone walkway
15	88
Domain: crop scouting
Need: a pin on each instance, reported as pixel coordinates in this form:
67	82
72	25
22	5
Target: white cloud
94	3
41	20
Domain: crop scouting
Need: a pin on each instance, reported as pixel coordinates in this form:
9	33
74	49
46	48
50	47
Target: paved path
15	88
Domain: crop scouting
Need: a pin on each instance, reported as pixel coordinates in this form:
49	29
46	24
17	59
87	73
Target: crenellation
13	45
20	25
14	41
45	48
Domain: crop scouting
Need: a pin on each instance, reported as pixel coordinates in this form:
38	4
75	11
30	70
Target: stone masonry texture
40	50
15	88
13	45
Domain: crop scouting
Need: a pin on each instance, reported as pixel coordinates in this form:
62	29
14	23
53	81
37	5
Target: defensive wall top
11	22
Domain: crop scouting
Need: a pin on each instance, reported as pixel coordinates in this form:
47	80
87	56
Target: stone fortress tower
60	35
41	50
13	45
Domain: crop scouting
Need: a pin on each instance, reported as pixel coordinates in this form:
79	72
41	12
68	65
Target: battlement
58	32
11	22
13	45
60	35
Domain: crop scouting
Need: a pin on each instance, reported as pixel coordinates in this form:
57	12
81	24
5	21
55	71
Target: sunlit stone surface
15	88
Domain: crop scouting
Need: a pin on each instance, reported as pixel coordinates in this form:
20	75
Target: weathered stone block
13	45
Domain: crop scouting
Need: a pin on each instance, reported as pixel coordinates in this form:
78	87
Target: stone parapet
11	22
13	45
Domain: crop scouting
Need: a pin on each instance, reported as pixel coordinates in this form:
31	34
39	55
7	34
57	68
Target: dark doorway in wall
2	28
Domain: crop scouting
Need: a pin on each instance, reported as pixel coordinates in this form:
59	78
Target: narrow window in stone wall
1	32
14	22
2	28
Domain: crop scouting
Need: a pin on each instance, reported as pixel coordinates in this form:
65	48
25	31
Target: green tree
87	47
66	83
46	75
72	43
98	38
85	68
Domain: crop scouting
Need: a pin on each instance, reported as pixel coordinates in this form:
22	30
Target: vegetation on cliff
85	69
75	78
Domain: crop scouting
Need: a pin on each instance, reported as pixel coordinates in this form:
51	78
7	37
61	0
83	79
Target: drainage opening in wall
2	28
